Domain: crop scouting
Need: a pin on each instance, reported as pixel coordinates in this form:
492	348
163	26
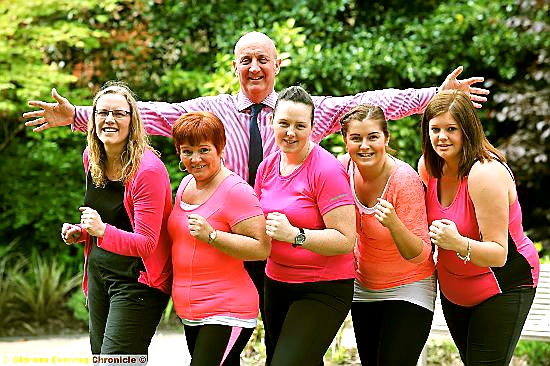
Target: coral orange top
378	263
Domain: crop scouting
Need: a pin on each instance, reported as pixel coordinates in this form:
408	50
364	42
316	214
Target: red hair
195	127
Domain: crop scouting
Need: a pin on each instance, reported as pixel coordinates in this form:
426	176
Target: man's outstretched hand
476	94
60	113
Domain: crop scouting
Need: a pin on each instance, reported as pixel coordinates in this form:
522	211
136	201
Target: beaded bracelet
468	252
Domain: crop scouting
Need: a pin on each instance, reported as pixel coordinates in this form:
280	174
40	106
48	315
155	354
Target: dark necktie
255	151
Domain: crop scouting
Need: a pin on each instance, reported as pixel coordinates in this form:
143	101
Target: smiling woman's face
203	160
113	132
292	126
366	142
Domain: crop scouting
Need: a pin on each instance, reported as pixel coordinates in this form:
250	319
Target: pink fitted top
207	282
467	284
318	186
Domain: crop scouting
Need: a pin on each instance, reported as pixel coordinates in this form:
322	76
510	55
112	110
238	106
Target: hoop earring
222	161
179	167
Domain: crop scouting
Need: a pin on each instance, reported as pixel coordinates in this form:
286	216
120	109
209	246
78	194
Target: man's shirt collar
243	103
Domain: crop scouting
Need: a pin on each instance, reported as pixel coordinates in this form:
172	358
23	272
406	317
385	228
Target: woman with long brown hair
487	267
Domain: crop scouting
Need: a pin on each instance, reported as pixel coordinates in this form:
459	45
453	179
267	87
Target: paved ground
166	349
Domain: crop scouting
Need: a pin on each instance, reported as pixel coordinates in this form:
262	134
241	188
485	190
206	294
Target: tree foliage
40	175
173	50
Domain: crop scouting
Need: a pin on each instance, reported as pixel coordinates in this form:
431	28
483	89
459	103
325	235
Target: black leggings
208	343
303	318
256	271
487	334
391	332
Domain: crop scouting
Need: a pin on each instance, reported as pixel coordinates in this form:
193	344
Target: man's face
256	65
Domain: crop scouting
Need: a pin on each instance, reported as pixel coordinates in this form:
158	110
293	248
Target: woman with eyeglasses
127	268
395	283
216	224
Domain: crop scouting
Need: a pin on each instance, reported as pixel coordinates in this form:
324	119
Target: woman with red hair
216	224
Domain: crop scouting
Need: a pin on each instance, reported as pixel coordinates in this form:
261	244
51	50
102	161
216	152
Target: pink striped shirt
234	111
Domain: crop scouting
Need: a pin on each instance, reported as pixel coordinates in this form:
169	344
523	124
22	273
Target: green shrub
442	352
338	353
11	267
535	353
77	304
254	352
41	291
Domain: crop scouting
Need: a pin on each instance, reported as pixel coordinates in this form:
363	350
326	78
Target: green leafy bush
442	351
77	304
535	353
11	267
42	291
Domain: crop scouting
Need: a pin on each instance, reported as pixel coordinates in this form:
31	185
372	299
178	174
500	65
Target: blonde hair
136	143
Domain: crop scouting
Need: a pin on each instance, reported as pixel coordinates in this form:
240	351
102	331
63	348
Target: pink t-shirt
208	282
319	185
378	263
467	284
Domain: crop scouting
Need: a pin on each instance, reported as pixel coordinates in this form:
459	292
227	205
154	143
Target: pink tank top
469	284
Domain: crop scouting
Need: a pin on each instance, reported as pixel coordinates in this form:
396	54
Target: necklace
285	167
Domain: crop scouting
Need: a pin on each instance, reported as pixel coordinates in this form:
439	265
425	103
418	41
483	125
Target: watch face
300	239
212	236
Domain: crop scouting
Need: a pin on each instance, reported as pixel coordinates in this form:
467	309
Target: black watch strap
300	239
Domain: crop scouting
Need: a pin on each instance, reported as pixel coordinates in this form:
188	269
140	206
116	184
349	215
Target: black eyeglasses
118	114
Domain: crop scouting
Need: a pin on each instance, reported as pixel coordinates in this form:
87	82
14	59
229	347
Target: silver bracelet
466	259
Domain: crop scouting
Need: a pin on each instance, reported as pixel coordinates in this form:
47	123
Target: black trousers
256	271
124	315
301	319
391	332
487	334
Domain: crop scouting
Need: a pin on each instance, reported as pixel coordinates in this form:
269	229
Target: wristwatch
212	236
300	239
